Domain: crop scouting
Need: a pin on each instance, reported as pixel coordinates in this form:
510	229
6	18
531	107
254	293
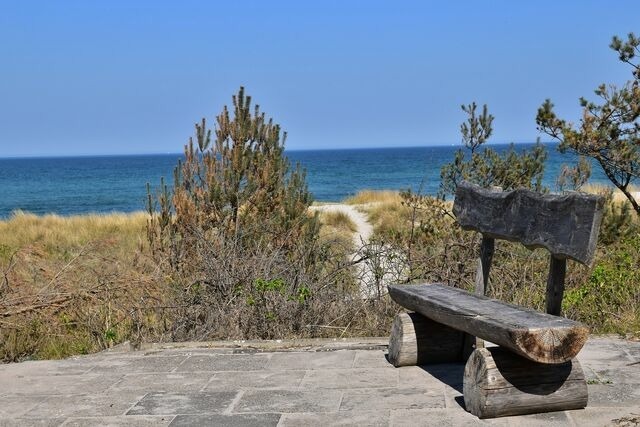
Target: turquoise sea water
74	185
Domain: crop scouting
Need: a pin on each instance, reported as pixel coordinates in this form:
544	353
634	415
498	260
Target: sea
104	184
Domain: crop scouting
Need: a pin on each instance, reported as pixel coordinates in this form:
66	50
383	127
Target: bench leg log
418	340
500	383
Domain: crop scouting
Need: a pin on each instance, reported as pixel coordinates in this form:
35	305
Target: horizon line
85	155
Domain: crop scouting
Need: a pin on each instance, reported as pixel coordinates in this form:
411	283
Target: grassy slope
72	284
79	284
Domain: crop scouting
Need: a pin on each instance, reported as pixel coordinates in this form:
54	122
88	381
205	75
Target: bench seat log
539	337
498	383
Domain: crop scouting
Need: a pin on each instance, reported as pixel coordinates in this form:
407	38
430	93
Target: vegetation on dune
484	166
74	285
239	244
234	251
81	284
340	221
367	197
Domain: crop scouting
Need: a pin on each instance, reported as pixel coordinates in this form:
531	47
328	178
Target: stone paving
325	383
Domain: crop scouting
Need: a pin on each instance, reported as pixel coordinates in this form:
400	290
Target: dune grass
617	195
78	284
338	220
337	231
384	209
73	284
373	196
58	234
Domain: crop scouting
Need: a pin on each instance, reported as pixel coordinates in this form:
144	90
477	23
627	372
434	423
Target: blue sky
124	77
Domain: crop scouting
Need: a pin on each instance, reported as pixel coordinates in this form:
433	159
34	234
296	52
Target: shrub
238	242
608	298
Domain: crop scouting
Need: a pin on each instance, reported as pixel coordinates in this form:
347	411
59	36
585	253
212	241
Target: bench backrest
566	225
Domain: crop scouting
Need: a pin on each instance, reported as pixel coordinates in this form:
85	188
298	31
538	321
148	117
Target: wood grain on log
539	337
418	340
566	225
499	383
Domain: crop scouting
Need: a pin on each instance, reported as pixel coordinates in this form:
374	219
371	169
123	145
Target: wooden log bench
533	368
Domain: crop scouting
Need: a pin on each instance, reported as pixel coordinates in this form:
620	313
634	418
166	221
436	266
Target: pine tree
608	132
236	233
486	167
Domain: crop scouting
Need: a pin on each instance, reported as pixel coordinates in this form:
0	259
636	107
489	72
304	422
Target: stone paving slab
324	384
128	420
231	362
183	403
242	420
288	380
350	378
341	418
84	405
161	382
340	359
286	401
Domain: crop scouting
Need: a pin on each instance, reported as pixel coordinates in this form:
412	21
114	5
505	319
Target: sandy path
376	265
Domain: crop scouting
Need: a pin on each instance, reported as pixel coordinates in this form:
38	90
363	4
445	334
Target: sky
132	77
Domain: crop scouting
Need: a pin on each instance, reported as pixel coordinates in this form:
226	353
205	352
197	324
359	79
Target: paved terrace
316	383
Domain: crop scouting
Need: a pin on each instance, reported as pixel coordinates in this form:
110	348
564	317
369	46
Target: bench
533	368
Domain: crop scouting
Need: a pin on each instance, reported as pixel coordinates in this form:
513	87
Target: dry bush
237	242
238	291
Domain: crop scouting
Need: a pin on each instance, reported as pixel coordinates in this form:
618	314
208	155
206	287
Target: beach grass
336	231
79	284
59	234
74	284
384	209
338	220
617	195
373	197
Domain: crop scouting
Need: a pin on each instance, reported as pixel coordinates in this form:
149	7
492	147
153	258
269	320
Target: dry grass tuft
338	220
604	189
372	196
337	230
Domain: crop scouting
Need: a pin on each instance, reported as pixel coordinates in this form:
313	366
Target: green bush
609	299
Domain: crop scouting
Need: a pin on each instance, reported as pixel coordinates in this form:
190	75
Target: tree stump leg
470	344
418	340
499	383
